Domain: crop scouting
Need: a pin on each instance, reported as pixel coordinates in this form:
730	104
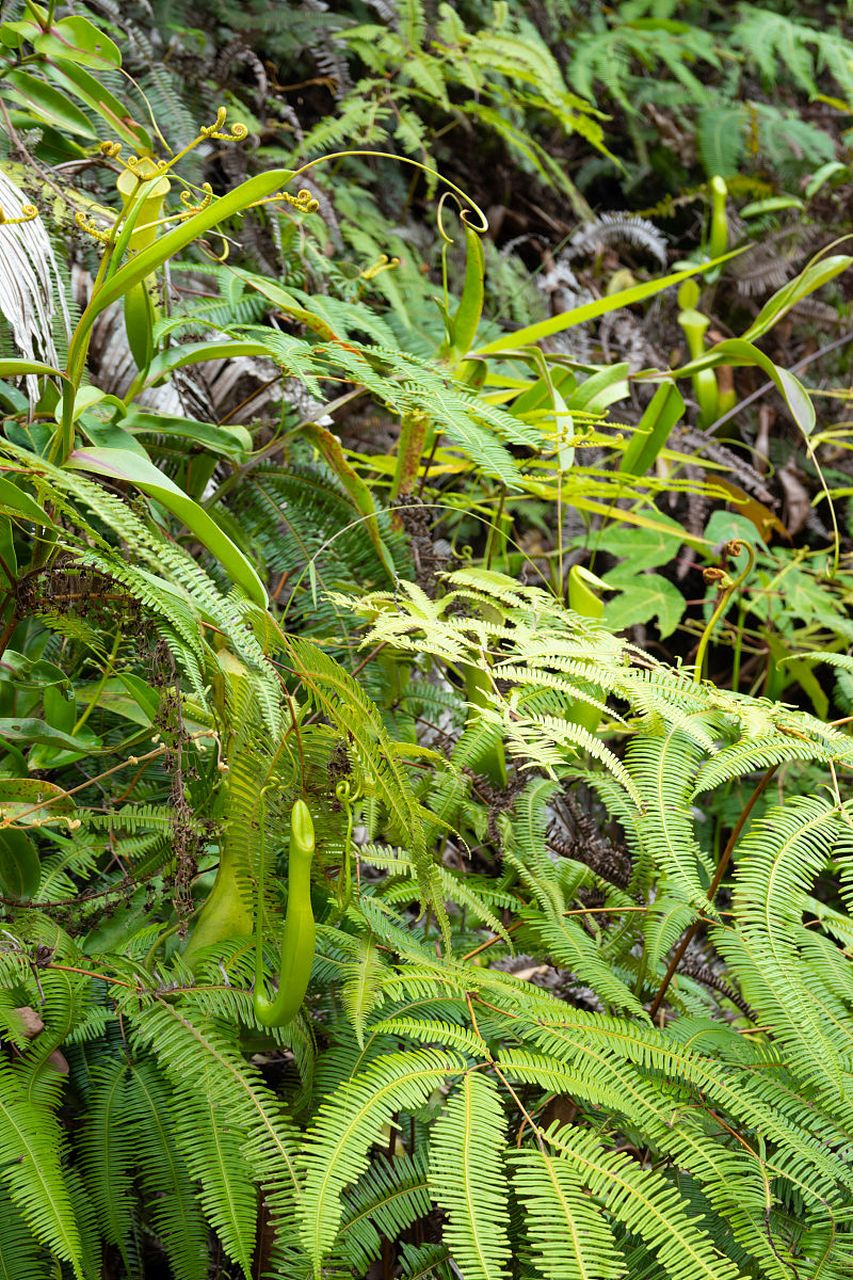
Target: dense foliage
427	660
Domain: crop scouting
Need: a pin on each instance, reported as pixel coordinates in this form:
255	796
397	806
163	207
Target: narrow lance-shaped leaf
593	310
653	430
466	319
362	498
814	277
167	246
737	351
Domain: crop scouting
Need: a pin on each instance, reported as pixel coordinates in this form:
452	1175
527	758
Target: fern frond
109	1151
337	1144
212	1149
646	1203
164	1175
467	1177
569	1237
392	1195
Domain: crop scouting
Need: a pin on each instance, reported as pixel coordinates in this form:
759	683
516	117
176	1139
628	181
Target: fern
467	1177
568	1233
345	1128
391	1195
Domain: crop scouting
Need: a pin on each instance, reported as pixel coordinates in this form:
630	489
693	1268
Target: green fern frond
467	1177
337	1144
392	1195
569	1237
108	1146
163	1174
20	1256
646	1203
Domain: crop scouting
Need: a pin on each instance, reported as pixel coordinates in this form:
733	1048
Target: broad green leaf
85	399
646	548
31	673
642	598
126	696
30	801
75	80
20	869
593	310
145	697
121	464
15	502
105	435
26	730
48	104
79	41
13	34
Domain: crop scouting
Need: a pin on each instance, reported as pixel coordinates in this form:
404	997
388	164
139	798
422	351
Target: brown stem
722	867
8	632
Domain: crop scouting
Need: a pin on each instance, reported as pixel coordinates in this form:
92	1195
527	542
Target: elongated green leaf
18	368
48	104
167	246
286	303
78	40
653	430
737	351
27	729
814	277
20	870
362	498
220	438
15	501
199	353
29	800
593	310
466	319
121	464
75	80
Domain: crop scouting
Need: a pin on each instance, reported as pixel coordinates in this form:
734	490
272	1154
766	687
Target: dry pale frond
31	293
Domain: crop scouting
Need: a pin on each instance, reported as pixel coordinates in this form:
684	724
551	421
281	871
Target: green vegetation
426	672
